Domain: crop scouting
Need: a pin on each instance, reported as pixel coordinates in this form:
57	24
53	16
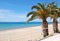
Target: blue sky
16	10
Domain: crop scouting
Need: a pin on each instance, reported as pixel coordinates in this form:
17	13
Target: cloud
49	19
58	19
11	16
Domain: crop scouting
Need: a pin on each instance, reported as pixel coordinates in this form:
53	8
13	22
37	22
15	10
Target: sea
16	25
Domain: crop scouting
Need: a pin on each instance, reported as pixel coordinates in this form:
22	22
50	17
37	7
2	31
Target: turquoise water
15	25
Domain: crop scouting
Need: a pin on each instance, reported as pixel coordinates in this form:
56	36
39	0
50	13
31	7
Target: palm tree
54	10
41	12
59	12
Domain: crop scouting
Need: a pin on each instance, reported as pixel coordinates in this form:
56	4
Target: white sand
56	37
24	34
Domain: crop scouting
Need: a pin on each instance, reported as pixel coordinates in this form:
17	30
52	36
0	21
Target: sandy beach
25	34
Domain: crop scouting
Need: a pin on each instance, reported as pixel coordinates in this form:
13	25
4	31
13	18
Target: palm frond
42	6
32	17
53	3
30	13
36	7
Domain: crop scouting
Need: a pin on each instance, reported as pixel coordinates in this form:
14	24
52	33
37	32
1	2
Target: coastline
17	25
25	34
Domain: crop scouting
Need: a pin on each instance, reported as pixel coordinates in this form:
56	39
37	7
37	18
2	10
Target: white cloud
11	16
49	19
58	19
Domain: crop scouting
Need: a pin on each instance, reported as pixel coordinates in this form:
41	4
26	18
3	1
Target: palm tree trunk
45	28
55	25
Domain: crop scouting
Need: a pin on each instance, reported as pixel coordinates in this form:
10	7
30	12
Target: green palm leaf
34	16
36	7
30	13
41	6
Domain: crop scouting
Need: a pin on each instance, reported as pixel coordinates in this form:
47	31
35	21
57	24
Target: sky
16	10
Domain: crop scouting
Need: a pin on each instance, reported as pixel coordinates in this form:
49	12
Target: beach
25	34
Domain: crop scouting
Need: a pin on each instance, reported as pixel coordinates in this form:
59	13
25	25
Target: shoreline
12	28
21	28
25	34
